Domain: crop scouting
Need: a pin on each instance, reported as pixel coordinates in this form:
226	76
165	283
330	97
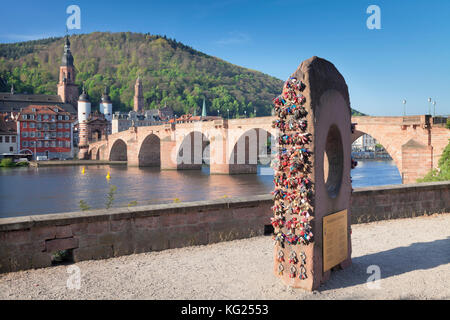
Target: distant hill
171	73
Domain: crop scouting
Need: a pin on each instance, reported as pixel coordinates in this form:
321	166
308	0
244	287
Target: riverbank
50	163
412	255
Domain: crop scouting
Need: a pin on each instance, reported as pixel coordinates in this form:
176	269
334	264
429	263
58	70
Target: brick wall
29	242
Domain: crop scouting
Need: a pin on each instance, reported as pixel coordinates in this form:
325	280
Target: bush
7	162
442	173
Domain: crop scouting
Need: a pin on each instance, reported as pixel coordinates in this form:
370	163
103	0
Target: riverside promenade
413	255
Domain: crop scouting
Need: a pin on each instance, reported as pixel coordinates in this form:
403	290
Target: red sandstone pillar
329	123
168	154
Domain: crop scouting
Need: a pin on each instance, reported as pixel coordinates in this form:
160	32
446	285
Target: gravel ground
413	256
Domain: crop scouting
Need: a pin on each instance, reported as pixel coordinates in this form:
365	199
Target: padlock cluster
293	187
297	268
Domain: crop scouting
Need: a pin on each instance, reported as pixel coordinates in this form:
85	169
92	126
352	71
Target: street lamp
434	108
254	112
228	111
245	113
429	106
404	107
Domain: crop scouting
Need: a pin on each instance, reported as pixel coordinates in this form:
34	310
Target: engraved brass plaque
335	239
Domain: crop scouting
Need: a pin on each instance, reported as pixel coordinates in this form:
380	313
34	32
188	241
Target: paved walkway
413	255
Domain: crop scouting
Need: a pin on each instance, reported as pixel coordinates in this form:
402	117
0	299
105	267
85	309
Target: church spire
67	58
204	108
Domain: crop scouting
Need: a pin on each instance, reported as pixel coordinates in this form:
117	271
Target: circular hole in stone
333	161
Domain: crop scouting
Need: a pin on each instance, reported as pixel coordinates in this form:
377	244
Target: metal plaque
335	239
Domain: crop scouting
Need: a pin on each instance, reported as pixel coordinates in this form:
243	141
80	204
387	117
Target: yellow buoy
108	176
83	170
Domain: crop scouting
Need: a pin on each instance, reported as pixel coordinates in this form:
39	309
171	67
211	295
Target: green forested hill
171	73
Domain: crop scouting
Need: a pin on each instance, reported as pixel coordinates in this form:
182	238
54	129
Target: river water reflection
27	191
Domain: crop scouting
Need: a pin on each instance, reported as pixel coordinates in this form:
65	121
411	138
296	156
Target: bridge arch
118	151
193	151
250	148
393	150
94	153
150	151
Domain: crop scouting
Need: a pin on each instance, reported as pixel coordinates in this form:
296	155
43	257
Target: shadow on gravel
418	256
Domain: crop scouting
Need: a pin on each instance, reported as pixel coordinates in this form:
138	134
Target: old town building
8	134
45	131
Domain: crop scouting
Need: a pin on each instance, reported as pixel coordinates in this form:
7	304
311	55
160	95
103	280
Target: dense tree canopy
171	73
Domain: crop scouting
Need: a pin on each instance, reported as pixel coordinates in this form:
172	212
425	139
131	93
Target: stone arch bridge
236	145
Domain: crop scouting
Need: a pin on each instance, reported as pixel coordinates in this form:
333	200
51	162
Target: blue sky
408	58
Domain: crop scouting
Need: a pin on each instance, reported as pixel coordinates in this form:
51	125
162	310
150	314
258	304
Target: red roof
44	110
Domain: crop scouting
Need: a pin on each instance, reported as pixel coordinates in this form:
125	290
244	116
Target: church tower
138	96
67	89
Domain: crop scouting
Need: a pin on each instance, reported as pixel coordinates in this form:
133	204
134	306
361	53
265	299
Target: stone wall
403	201
29	242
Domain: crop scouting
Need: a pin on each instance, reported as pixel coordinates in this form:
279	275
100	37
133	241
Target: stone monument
312	176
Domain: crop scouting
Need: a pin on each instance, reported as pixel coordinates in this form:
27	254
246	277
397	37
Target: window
32	134
45	126
13	139
66	125
60	118
53	134
11	149
25	134
67	144
33	109
39	126
24	125
32	125
25	143
46	143
38	134
66	134
60	134
39	144
56	109
45	116
24	117
1	139
39	118
6	139
60	143
32	116
32	143
53	144
67	117
60	125
52	126
53	117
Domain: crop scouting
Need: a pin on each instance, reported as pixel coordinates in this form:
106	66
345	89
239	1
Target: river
29	191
